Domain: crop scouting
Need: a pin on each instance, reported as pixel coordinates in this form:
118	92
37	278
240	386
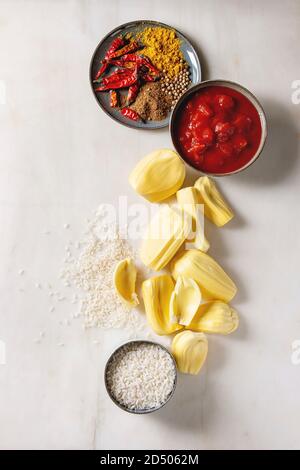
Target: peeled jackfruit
124	282
188	200
158	175
185	300
215	207
215	317
157	293
165	234
189	350
213	281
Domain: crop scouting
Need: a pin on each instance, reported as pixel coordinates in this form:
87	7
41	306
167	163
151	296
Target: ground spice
152	104
163	49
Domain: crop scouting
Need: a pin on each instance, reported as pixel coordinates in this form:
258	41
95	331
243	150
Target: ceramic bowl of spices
139	70
218	127
140	376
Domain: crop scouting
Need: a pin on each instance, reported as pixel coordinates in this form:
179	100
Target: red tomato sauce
218	130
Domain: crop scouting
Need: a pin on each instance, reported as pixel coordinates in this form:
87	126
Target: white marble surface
61	156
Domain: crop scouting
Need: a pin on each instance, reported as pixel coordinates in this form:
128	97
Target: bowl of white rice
140	376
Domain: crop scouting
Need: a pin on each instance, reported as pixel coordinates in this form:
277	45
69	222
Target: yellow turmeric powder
163	49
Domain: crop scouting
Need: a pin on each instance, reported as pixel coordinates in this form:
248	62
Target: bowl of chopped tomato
218	127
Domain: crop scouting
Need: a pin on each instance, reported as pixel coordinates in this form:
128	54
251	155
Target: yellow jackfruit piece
158	175
185	300
157	293
124	282
214	283
215	207
188	200
165	234
189	350
215	317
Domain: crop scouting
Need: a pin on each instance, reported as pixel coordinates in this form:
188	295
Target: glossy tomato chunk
205	110
207	135
224	131
224	101
226	148
240	143
242	123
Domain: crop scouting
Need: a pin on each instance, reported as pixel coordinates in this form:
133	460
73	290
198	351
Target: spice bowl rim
229	84
141	411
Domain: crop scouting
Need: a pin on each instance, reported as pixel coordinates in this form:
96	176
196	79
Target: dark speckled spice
152	104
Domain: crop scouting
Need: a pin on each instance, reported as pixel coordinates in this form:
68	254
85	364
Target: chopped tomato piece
226	148
205	110
224	131
242	123
224	127
240	143
225	101
207	135
197	149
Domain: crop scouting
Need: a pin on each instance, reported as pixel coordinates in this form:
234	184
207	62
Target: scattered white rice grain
92	272
38	285
60	344
51	309
21	272
46	232
42	334
66	226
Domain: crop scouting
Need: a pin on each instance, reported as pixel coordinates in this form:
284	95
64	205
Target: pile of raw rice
92	272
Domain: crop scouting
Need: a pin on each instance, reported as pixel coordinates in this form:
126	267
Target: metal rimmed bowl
189	53
224	83
122	406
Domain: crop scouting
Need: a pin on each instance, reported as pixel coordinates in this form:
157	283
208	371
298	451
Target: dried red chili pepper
113	98
125	82
145	61
148	78
122	64
116	76
101	70
116	44
141	60
131	114
132	46
132	93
